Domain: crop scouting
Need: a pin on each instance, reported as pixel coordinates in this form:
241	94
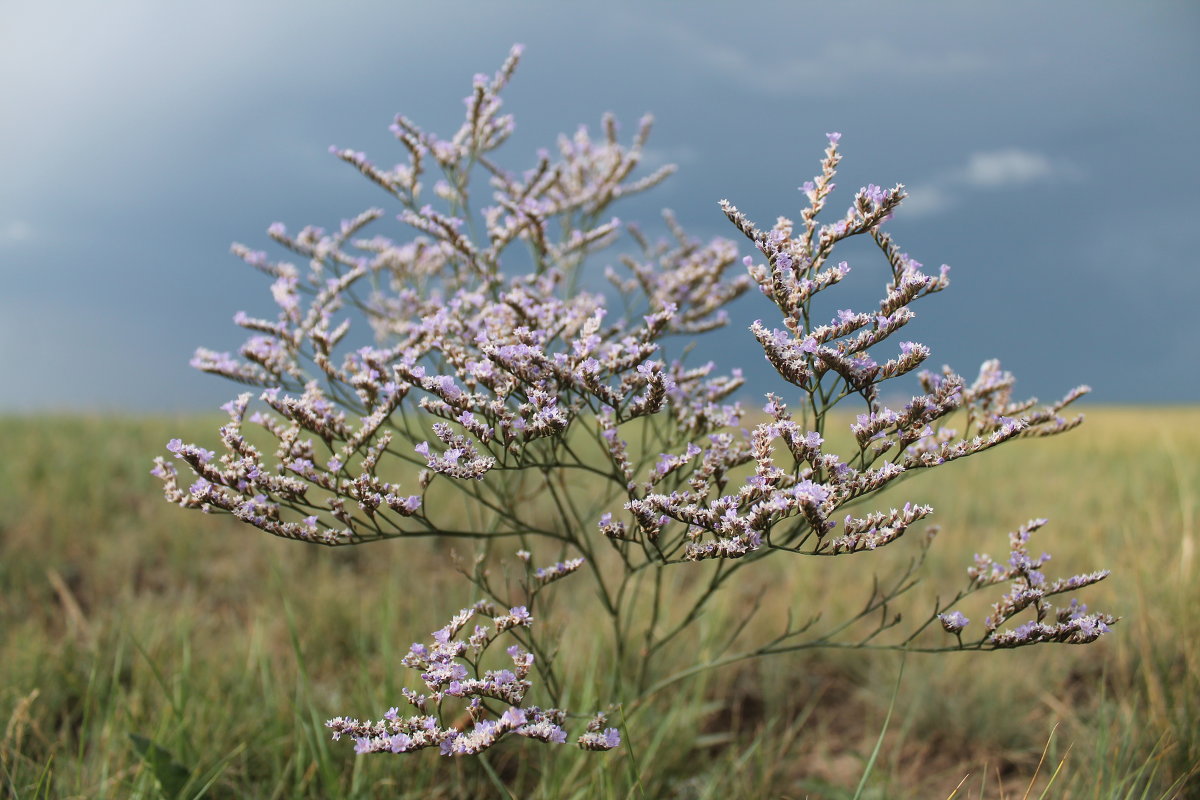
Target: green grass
150	652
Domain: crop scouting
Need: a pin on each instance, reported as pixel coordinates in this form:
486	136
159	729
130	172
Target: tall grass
147	652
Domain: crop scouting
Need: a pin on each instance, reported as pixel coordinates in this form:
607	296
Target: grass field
150	652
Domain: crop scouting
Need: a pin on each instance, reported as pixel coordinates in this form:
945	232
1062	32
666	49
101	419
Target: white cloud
831	67
1011	167
989	170
15	231
925	201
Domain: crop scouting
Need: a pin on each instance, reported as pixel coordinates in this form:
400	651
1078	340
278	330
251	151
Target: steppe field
152	652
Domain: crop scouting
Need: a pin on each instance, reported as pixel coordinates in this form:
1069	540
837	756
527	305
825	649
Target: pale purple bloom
524	382
953	622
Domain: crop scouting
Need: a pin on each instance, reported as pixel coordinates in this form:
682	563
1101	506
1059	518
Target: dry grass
122	616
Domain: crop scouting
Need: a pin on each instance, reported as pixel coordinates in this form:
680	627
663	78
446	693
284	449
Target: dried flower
523	393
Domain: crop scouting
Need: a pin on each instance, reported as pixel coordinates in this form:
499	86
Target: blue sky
1049	149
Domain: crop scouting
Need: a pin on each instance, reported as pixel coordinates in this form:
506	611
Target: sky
1049	149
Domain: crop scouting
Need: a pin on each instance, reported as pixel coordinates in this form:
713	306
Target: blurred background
1049	149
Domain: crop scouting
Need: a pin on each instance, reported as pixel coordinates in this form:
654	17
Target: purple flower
953	622
513	717
809	493
505	369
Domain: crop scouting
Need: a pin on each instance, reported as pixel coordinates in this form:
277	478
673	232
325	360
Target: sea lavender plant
507	387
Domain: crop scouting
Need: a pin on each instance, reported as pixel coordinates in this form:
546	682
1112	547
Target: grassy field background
150	652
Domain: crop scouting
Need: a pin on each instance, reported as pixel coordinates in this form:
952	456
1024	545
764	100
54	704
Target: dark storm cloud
1048	148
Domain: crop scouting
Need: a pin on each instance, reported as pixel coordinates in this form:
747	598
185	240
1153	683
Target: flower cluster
508	367
446	666
1029	588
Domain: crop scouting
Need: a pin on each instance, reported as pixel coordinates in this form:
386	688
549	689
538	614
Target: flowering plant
506	387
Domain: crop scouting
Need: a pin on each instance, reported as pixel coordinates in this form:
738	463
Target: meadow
147	652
